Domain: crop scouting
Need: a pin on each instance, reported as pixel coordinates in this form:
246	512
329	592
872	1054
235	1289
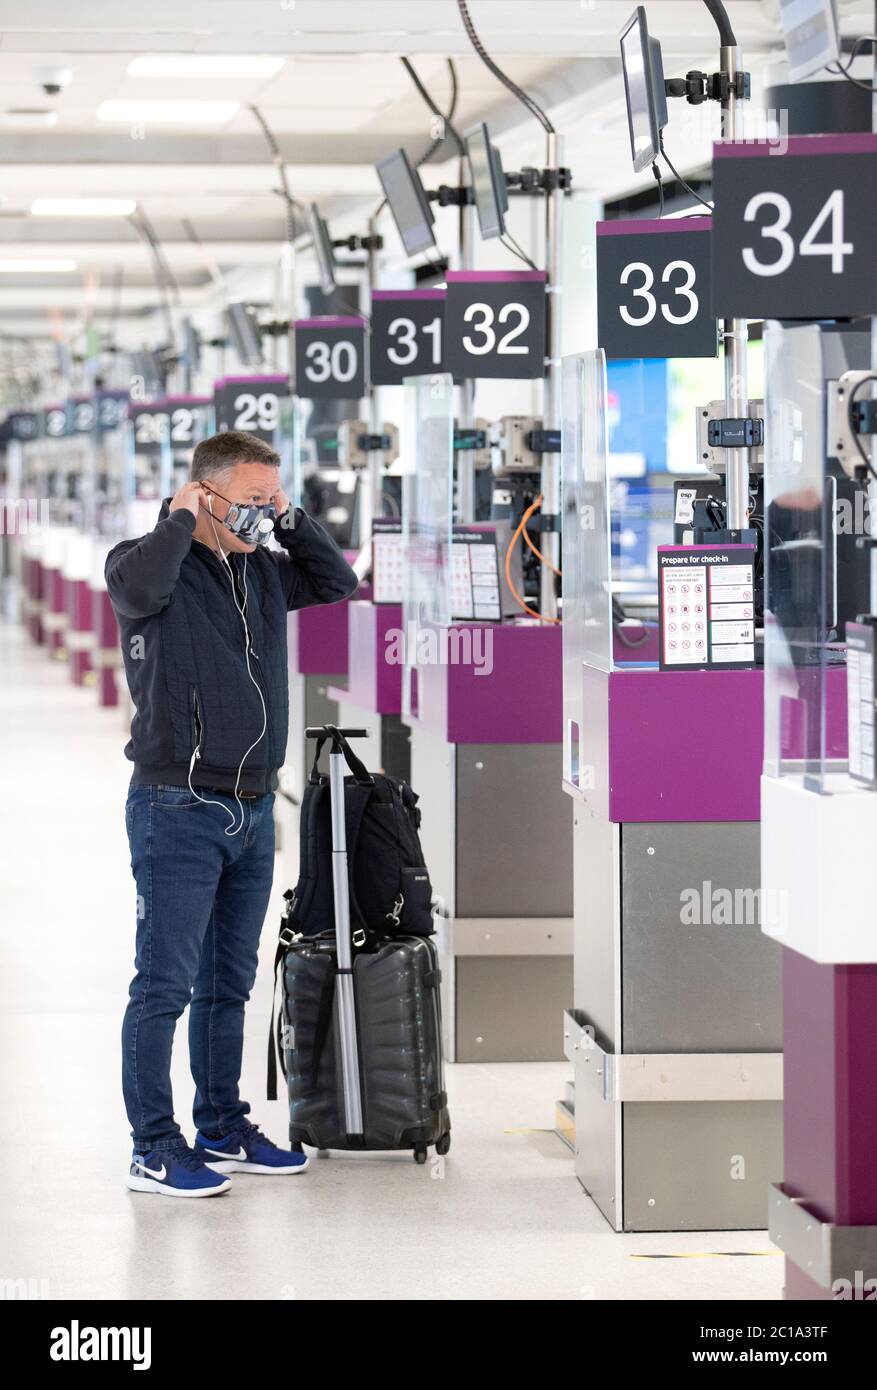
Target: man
202	606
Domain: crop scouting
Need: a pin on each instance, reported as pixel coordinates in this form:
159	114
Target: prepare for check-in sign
250	403
495	324
406	334
330	358
794	232
654	292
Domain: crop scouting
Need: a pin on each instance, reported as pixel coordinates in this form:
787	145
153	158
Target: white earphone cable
233	827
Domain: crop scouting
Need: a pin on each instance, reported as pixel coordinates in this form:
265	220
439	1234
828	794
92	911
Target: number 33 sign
795	233
495	323
653	288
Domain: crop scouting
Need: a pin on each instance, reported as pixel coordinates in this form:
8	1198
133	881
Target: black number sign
55	422
250	403
24	424
495	324
187	420
81	413
654	296
794	232
406	334
150	425
112	409
330	358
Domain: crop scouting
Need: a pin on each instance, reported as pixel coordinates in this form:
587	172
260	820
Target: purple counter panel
107	654
687	745
318	639
374	672
499	683
80	635
830	1098
54	608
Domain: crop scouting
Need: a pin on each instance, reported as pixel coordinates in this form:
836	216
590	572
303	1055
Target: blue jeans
201	900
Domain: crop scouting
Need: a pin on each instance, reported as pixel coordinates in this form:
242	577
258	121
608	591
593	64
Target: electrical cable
723	23
531	104
679	179
843	69
657	173
448	123
538	553
850	403
522	603
140	222
512	245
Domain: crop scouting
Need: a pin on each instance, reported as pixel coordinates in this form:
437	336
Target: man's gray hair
217	456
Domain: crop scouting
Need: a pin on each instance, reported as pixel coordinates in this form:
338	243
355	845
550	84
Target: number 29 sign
795	232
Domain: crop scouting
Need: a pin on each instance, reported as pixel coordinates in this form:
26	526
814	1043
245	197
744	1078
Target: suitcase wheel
421	1153
443	1143
296	1148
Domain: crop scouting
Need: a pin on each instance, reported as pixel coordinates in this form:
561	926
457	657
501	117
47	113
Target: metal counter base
502	873
676	1034
310	704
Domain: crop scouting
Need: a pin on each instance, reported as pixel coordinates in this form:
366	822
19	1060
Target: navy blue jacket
184	646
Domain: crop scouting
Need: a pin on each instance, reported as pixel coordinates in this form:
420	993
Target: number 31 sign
653	288
795	232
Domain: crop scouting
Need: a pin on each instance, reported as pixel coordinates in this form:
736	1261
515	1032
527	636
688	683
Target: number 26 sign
795	232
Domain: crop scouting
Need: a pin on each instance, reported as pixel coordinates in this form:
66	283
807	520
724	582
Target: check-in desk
486	762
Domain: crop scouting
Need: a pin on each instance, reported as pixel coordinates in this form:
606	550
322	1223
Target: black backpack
389	888
390	891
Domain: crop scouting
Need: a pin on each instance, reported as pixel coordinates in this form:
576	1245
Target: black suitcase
360	1036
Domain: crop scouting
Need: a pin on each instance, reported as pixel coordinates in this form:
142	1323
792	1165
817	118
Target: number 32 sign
495	323
795	232
653	288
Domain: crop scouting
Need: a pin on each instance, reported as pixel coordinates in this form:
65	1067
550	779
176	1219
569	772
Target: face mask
252	524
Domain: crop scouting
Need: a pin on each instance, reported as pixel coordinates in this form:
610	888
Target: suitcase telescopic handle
329	731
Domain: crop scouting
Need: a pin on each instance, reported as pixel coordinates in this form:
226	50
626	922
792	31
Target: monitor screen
408	202
488	181
644	90
243	328
811	34
323	249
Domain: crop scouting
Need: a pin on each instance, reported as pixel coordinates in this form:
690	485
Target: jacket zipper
199	723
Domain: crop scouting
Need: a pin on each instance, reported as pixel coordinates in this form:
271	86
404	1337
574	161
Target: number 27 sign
794	233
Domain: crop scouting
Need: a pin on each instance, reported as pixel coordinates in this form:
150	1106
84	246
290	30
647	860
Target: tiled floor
503	1217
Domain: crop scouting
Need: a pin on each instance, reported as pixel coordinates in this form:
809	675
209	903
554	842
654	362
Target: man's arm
141	574
312	569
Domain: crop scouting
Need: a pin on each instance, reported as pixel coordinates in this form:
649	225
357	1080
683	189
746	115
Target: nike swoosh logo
223	1153
158	1173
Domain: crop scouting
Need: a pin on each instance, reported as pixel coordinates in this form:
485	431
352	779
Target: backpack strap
339	743
275	1049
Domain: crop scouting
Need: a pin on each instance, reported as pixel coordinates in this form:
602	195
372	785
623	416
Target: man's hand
281	502
192	497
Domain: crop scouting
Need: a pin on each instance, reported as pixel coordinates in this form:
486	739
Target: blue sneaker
174	1173
248	1151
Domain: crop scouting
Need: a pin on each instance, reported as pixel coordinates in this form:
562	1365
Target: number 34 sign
795	232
